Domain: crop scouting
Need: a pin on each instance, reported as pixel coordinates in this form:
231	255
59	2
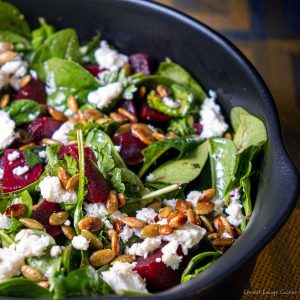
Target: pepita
72	103
151	230
72	183
31	273
92	224
112	202
6	56
31	223
68	231
124	112
207	195
93	239
4	100
58	218
165	211
177	219
183	205
57	115
25	80
16	210
125	259
204	208
118	117
102	257
165	229
133	222
63	176
122	199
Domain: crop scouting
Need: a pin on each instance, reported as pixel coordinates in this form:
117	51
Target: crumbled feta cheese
31	244
234	209
7	133
5	222
126	233
194	197
67	223
55	251
170	257
12	72
158	259
219	204
20	170
150	177
170	102
103	96
43	154
1	173
11	262
13	156
52	191
212	119
146	214
187	236
108	58
122	277
170	202
144	248
61	134
79	242
118	148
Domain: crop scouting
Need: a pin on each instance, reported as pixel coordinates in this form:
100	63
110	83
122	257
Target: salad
117	176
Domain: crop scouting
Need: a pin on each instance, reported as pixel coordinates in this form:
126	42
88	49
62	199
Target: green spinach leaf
20	43
182	126
71	165
32	157
12	20
40	34
23	111
88	51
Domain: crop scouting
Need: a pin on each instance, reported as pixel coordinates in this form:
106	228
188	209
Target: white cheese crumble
122	277
20	170
126	233
219	205
1	173
143	249
170	202
7	132
12	72
79	242
5	222
61	134
211	118
109	58
146	214
193	197
150	177
171	103
43	154
52	191
67	223
118	148
11	262
170	257
55	251
103	96
234	209
13	156
31	244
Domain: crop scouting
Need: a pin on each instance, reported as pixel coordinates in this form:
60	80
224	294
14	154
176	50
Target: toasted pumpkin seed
133	222
63	176
112	202
204	208
206	224
68	231
25	80
93	239
223	242
114	240
124	112
151	230
162	91
122	199
142	92
102	257
44	284
118	117
177	219
193	217
51	142
164	212
158	136
125	258
4	100
5	46
58	218
207	195
165	229
7	56
57	115
183	205
72	103
72	183
31	273
92	224
30	145
16	210
124	128
31	223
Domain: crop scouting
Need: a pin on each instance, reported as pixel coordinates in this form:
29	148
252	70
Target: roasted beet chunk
140	63
153	115
34	90
94	69
197	127
42	214
157	275
131	148
15	174
97	186
43	127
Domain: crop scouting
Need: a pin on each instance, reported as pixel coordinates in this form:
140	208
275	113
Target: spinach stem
157	193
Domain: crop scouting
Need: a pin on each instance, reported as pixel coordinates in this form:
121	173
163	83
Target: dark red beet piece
34	90
128	105
94	69
43	127
152	115
12	182
42	214
157	275
139	63
198	127
97	186
131	148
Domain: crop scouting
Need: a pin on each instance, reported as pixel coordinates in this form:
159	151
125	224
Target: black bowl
141	26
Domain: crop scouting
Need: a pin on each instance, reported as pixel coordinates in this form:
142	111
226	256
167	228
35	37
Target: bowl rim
191	287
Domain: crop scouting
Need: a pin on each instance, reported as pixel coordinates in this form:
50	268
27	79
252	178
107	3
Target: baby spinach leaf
183	170
235	117
68	74
175	72
23	111
155	150
5	238
250	132
20	43
40	34
88	51
182	126
198	264
12	20
222	159
178	94
62	44
24	288
32	157
71	165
